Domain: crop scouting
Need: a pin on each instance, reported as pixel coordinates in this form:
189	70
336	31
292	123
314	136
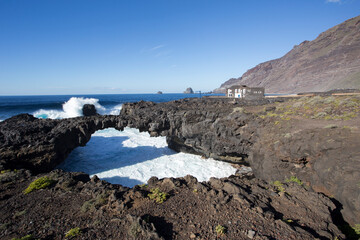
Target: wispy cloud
163	53
152	49
156	47
333	1
157	51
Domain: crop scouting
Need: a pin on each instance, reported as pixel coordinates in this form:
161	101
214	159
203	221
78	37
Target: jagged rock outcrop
41	144
328	160
89	110
330	61
215	128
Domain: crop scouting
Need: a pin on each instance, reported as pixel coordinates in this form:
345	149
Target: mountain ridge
330	61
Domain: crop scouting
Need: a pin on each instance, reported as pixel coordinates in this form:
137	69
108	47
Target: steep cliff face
330	61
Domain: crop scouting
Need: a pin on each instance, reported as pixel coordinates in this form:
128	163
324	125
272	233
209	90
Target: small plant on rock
157	195
279	186
295	180
39	183
357	229
220	230
27	237
73	233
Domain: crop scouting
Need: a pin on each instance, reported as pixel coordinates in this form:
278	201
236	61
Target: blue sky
143	46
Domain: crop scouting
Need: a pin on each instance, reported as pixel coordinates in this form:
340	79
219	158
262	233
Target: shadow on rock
125	181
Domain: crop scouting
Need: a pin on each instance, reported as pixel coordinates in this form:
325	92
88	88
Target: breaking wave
73	108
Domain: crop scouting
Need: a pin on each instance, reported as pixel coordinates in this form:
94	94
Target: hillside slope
330	61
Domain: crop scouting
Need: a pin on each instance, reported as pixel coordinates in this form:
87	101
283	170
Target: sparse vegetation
27	237
220	230
95	203
39	183
21	213
279	186
73	233
135	230
4	226
295	180
288	221
157	195
239	110
330	126
357	229
318	107
5	171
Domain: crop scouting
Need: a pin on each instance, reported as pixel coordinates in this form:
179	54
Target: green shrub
294	179
357	229
279	186
39	183
220	230
157	195
5	171
72	233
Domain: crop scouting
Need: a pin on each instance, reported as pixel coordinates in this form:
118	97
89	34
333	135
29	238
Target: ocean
62	106
121	157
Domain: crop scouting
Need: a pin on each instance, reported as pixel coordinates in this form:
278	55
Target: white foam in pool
131	158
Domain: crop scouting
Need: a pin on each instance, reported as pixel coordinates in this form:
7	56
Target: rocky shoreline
295	158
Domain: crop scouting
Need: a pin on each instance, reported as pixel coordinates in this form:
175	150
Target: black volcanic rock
109	211
208	127
41	144
326	159
89	110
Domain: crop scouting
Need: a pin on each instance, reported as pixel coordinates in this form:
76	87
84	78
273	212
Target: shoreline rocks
224	129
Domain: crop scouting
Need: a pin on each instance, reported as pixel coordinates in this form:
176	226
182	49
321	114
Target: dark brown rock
330	61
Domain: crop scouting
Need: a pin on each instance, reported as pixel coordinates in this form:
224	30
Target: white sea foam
71	108
115	110
131	158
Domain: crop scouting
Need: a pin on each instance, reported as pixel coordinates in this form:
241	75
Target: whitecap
71	108
116	110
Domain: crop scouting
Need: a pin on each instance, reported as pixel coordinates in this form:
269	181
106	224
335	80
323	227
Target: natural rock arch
41	144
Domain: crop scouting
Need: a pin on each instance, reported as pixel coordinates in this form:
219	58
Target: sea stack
189	91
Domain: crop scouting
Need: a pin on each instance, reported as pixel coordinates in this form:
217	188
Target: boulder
89	110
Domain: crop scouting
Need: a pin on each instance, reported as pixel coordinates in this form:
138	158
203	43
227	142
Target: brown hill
330	61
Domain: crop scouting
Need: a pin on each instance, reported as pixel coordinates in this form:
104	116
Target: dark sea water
61	106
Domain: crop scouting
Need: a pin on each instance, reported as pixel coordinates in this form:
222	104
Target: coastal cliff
330	61
294	144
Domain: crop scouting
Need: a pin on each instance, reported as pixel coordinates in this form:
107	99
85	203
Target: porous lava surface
313	141
246	207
